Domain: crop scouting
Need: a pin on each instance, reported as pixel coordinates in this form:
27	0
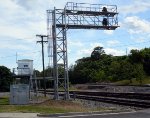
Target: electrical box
19	94
25	67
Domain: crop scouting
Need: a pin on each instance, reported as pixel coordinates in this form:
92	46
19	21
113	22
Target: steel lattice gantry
74	16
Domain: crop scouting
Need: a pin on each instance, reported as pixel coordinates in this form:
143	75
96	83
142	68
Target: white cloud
114	52
84	52
109	32
18	22
132	48
135	25
90	33
78	54
93	45
75	43
14	32
19	47
8	4
139	40
136	7
113	42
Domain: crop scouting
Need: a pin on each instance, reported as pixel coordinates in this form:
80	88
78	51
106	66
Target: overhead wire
20	39
130	44
19	54
37	61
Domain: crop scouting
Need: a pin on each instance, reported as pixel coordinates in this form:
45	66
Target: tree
146	59
114	70
97	53
126	70
138	72
121	70
98	76
135	56
37	72
101	67
5	78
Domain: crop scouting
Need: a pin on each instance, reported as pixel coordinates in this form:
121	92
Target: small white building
25	67
20	91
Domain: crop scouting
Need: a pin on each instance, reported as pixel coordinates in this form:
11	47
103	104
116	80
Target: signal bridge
74	16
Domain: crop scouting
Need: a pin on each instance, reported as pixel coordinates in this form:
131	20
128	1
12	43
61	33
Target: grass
4	101
47	107
145	81
30	109
123	82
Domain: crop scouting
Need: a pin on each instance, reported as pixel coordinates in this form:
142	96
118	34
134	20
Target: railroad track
126	102
141	100
140	96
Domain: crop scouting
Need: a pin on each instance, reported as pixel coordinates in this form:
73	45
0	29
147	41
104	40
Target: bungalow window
26	66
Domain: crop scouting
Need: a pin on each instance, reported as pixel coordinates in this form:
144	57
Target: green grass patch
30	109
146	80
50	106
123	82
134	81
4	100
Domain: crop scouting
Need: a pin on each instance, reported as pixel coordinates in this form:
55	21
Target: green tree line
101	67
5	78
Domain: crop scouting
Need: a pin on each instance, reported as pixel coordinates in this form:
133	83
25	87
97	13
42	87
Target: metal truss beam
74	16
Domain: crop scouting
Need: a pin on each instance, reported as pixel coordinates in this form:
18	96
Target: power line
20	39
19	54
129	44
8	56
37	63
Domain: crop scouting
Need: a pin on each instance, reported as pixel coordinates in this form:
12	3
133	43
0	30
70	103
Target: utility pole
42	42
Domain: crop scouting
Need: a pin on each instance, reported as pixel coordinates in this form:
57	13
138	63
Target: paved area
139	114
18	115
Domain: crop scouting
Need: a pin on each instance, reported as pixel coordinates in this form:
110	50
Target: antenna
16	57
